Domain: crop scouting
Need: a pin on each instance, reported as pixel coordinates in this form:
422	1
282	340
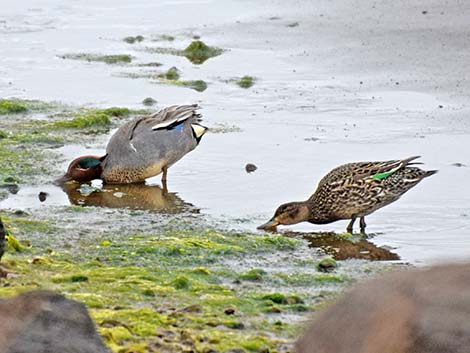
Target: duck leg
349	229
362	223
164	188
165	170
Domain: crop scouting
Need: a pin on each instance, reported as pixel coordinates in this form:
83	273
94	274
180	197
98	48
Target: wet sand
352	81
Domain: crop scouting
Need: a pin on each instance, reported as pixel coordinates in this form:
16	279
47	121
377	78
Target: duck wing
365	177
174	115
380	170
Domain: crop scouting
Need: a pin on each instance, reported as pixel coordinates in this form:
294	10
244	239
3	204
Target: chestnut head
83	169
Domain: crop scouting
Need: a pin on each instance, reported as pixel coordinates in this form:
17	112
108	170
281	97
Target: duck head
288	213
83	169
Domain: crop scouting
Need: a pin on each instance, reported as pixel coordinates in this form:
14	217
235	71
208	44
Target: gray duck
352	191
142	148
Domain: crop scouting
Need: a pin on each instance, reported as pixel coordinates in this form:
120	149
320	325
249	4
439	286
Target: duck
351	191
142	148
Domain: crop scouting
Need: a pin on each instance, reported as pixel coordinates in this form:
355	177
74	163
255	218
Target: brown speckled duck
142	148
352	191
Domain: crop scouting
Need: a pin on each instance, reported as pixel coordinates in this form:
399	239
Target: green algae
144	290
283	299
107	59
246	81
311	279
13	244
197	85
167	37
150	64
163	37
181	282
12	106
20	163
293	24
255	274
197	52
91	118
171	74
128	301
201	270
132	40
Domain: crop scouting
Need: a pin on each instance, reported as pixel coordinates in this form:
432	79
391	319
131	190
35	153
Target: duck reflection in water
342	247
132	196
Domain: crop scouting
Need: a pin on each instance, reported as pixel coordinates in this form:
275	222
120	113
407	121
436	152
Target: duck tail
406	161
429	173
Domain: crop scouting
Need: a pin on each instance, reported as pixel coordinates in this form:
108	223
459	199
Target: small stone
43	196
424	12
149	101
327	265
229	310
38	260
195	308
250	168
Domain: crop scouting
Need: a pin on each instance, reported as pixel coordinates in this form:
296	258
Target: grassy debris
171	74
12	106
108	59
132	40
198	52
246	81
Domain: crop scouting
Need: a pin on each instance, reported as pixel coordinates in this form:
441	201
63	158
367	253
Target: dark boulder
45	322
419	311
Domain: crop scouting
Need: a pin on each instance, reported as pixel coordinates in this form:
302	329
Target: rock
419	311
149	101
12	188
328	264
458	164
45	322
250	168
3	234
229	310
43	196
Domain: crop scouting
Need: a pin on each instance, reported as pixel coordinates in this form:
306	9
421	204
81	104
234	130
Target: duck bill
270	225
62	180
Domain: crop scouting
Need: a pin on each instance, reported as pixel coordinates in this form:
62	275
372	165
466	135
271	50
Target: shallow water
315	105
